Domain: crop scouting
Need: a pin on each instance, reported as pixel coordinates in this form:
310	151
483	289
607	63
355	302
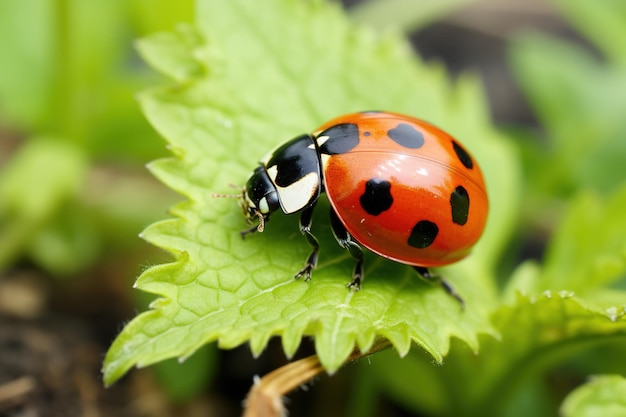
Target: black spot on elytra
460	201
463	156
423	234
294	160
377	196
407	136
342	138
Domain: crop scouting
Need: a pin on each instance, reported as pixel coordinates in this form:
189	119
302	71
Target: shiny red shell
422	179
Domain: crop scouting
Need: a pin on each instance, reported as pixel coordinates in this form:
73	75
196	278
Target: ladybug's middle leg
305	228
428	276
346	241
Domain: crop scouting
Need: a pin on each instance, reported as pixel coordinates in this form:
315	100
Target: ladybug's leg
251	230
346	241
305	228
429	277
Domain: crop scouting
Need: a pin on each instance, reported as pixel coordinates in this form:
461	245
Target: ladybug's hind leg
431	278
305	229
346	241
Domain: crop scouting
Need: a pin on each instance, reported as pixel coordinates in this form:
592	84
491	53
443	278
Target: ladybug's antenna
228	195
246	209
220	195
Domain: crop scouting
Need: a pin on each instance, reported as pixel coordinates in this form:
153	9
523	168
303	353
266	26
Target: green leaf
408	15
43	175
603	395
153	15
249	78
184	381
169	53
603	22
537	333
67	69
27	53
587	255
67	243
578	100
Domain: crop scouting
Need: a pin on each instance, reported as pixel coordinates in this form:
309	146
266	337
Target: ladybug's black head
259	198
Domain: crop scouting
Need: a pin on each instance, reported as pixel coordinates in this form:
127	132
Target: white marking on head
263	206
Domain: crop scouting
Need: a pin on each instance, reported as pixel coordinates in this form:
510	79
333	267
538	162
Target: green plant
246	77
68	193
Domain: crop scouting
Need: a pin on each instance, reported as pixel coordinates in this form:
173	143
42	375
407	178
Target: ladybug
398	186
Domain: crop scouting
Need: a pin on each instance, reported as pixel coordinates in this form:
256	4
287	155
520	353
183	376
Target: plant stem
265	396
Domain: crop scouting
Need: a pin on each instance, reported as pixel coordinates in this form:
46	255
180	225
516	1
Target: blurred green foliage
73	137
579	97
597	398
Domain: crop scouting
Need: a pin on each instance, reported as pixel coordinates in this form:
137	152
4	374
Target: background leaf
509	376
72	135
607	35
586	257
403	14
602	396
252	88
577	96
31	193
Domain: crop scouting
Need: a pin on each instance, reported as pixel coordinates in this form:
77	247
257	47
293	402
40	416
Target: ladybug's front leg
345	241
429	277
305	229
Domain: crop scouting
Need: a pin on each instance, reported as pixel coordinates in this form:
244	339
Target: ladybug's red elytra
398	186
